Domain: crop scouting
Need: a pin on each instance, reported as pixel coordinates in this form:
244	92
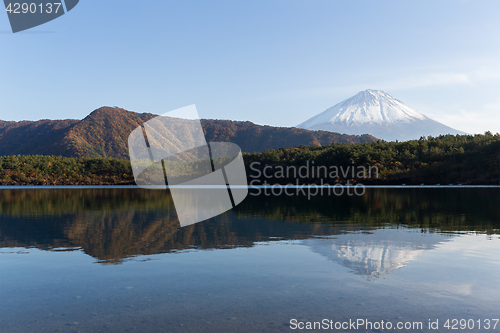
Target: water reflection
392	255
376	253
114	224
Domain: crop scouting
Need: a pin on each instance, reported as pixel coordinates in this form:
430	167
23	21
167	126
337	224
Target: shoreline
6	187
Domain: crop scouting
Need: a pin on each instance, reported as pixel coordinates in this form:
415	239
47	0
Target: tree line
465	159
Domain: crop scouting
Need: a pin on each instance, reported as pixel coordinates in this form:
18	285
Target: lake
116	260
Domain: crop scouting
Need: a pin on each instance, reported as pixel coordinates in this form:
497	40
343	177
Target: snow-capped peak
379	114
369	106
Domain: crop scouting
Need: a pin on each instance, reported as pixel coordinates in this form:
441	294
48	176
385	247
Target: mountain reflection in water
117	260
375	253
115	224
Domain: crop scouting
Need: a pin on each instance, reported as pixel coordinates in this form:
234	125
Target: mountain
257	138
379	114
105	131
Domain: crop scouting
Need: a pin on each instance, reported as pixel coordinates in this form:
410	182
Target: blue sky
271	62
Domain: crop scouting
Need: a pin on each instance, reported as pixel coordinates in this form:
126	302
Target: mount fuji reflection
377	252
373	235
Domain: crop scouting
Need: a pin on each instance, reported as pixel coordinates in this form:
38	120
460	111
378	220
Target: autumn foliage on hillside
58	170
448	159
104	133
256	138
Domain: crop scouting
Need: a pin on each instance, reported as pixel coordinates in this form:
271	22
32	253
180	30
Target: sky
272	62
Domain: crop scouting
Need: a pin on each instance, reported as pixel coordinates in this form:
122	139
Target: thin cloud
412	79
429	80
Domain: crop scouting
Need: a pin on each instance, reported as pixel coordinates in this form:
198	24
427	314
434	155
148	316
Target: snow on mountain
379	114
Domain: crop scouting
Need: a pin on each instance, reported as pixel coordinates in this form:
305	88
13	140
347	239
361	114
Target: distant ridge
379	114
104	133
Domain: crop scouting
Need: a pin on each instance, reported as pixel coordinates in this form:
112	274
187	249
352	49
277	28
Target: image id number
23	8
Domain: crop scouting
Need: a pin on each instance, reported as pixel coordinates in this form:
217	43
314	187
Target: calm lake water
116	260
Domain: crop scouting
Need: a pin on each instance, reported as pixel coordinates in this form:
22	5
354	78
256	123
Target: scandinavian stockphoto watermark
268	180
25	15
204	179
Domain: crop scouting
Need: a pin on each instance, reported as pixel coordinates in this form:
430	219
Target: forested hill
257	138
105	131
447	159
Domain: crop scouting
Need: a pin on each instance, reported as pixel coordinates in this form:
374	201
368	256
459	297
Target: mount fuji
379	114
